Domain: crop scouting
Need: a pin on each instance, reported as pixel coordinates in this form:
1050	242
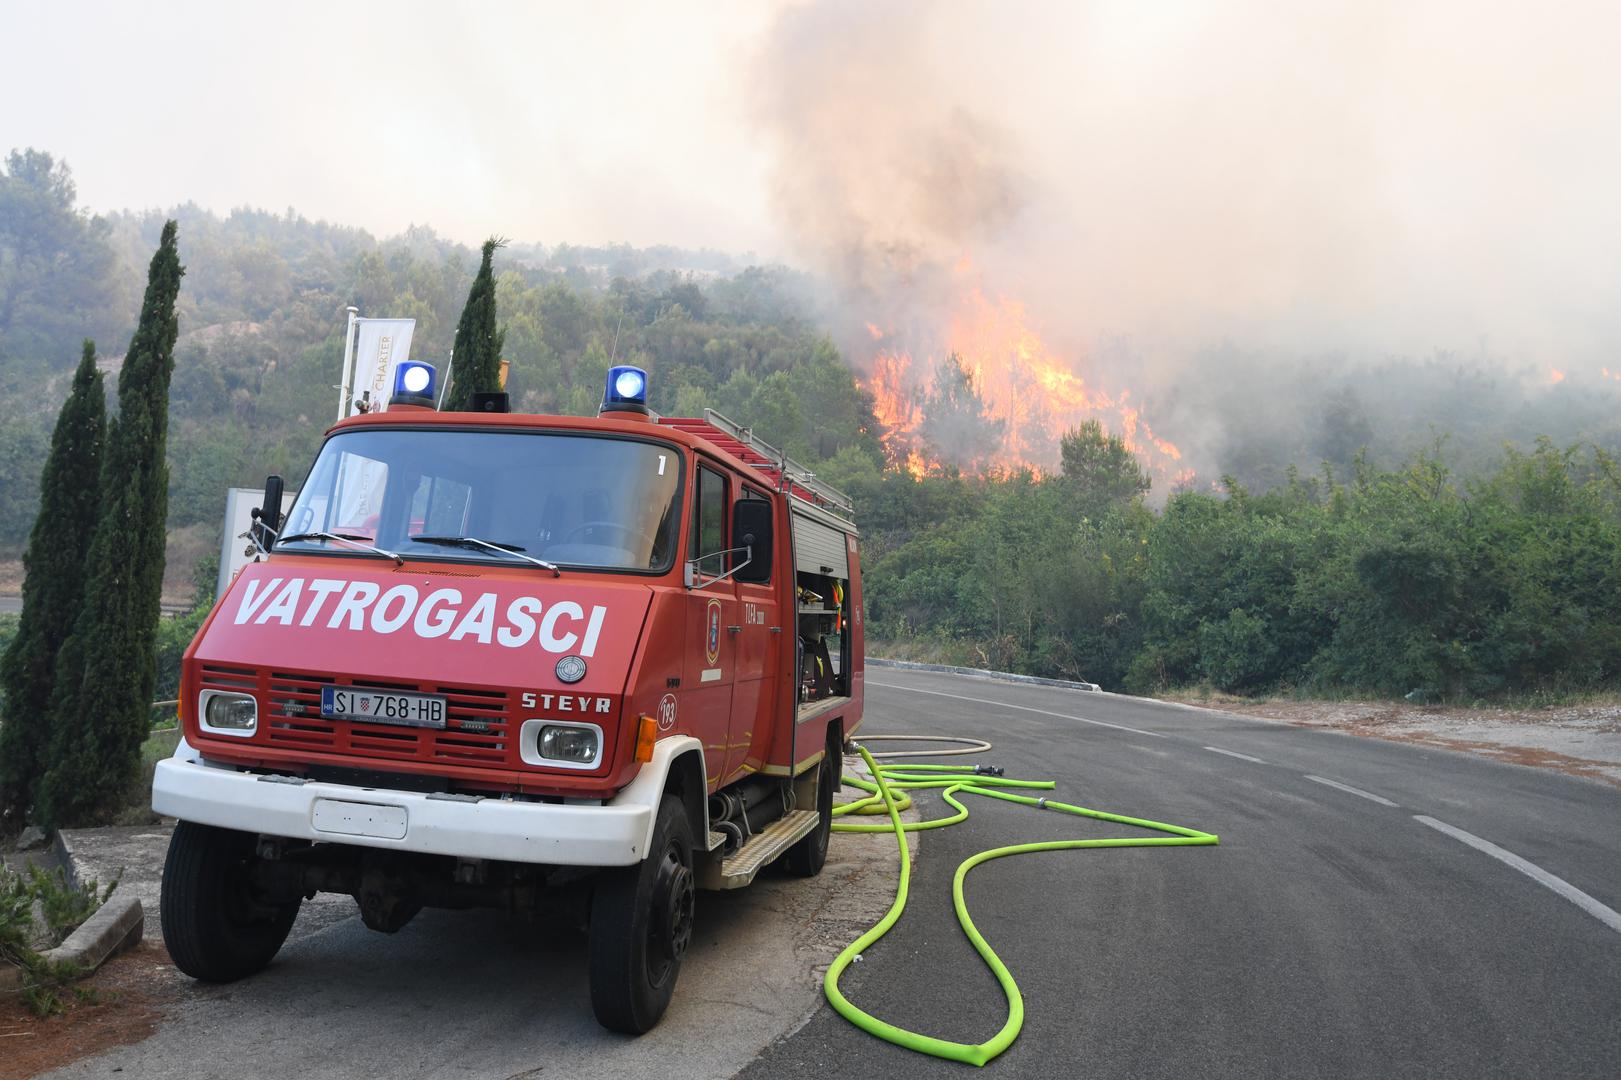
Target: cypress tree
53	587
101	704
475	364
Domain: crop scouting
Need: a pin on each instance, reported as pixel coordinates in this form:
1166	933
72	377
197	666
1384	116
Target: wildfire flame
1029	396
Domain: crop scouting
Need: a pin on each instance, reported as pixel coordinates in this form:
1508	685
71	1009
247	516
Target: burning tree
1001	398
957	419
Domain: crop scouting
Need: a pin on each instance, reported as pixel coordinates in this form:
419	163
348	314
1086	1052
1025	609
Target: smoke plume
1191	205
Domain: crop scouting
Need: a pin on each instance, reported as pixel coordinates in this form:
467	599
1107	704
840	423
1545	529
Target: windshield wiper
512	550
344	538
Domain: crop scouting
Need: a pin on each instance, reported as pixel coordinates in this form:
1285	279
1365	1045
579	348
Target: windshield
574	500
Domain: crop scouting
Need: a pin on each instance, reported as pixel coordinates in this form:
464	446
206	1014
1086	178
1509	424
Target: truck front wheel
214	926
641	925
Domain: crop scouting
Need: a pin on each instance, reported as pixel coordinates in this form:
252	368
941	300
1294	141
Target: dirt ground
119	1004
1580	739
122	1003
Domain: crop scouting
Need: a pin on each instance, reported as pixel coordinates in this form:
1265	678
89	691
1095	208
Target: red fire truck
571	665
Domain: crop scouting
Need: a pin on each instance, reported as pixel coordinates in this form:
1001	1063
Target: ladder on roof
742	443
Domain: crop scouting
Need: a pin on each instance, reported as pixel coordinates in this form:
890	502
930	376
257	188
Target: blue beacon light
413	385
626	390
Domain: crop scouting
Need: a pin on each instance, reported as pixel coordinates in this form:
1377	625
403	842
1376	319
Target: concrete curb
116	926
999	676
62	848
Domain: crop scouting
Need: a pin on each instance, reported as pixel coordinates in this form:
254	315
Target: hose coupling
1041	804
987	770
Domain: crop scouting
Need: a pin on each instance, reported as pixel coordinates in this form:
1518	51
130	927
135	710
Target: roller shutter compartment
818	546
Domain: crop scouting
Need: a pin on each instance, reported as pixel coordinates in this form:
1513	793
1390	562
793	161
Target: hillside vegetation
1457	568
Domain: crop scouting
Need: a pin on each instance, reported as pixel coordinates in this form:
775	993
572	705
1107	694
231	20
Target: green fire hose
886	794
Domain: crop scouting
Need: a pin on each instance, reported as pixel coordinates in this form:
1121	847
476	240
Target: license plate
382	707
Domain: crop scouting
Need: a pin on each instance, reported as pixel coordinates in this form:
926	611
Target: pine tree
101	705
53	586
475	366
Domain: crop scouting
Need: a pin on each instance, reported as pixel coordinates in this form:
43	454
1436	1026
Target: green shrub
22	943
1237	654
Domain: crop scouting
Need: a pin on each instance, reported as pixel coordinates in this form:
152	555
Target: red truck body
680	678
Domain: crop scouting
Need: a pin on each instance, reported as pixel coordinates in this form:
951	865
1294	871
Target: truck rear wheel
213	925
806	858
641	925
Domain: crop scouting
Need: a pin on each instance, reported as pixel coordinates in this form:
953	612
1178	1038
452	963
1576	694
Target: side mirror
267	517
751	528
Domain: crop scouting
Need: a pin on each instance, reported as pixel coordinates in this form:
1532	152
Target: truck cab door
756	704
709	667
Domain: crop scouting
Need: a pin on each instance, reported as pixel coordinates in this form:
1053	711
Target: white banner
380	346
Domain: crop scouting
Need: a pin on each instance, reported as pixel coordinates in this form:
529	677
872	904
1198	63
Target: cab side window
709	522
346	496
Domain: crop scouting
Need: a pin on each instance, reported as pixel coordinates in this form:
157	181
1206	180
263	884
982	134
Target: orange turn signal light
647	733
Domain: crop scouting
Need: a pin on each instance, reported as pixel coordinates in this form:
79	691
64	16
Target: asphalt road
1331	934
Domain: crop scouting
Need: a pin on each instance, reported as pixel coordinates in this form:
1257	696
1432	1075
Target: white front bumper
612	834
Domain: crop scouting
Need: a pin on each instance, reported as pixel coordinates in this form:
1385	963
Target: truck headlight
225	713
560	744
573	744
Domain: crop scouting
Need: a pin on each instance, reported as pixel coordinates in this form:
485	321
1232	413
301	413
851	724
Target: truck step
764	846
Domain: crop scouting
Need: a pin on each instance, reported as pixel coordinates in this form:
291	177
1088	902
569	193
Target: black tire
641	925
214	928
806	858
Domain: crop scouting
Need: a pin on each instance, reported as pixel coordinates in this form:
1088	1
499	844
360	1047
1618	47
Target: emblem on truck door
712	639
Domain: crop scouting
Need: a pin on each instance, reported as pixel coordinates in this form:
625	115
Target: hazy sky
543	122
1396	175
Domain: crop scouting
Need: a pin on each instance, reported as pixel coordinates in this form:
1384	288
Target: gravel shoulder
1578	740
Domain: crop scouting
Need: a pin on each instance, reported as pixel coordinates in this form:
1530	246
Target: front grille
478	722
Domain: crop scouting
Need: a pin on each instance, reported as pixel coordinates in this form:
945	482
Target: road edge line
984	673
1600	911
1021	708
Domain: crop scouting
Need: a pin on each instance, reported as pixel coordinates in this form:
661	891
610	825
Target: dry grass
924	651
184	550
1600	710
1576	734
